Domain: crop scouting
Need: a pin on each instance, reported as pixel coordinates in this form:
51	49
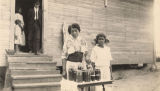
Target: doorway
25	5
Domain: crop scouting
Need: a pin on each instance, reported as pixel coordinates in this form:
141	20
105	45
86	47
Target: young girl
101	56
18	30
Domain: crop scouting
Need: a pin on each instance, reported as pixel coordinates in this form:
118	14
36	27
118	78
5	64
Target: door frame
44	23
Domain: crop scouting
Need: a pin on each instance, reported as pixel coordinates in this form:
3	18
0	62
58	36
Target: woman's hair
101	35
74	25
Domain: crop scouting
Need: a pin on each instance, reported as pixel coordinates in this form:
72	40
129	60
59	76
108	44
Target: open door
25	5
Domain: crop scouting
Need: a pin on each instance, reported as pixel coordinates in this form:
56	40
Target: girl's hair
17	9
101	35
74	25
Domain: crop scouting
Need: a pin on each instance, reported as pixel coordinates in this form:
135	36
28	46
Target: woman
73	46
19	39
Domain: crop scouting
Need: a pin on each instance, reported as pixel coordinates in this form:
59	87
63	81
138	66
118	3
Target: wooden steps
22	79
44	65
51	86
25	58
33	73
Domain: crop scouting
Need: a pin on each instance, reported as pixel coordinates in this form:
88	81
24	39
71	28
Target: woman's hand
93	65
64	67
64	73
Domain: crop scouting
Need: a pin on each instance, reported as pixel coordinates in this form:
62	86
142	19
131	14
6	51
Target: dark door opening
25	5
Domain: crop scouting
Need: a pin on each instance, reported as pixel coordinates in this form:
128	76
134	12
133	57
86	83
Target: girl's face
101	41
74	32
20	10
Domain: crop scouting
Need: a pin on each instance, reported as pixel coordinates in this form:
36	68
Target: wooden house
128	25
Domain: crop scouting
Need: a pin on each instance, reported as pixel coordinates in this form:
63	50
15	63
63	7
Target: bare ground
127	79
136	80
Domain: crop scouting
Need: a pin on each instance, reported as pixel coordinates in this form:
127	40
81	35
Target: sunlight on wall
157	26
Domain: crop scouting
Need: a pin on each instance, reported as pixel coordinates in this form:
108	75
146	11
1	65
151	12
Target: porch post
44	25
11	31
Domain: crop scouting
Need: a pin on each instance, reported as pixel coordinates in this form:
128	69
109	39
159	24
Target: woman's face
101	41
74	32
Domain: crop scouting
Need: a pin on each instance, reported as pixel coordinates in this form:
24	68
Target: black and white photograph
79	45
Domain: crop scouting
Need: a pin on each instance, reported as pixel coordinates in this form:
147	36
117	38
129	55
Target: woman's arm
19	21
64	67
64	59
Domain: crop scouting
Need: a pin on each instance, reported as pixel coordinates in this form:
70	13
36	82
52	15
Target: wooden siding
127	24
4	29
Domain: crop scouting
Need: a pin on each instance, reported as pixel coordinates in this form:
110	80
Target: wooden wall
127	24
130	28
4	29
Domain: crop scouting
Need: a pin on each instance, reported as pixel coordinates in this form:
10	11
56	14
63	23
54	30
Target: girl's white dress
19	34
102	58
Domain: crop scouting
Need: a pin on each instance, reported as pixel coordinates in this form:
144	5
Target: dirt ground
136	79
133	79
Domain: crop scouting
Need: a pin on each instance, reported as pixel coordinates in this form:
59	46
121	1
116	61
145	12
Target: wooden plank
94	83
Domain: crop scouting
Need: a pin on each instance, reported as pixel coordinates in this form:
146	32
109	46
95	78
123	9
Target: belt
75	57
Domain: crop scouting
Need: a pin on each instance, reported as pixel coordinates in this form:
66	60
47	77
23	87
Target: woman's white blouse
72	45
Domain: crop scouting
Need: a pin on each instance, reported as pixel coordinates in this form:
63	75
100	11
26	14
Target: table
93	83
67	85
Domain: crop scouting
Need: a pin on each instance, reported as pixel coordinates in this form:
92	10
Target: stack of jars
96	75
85	75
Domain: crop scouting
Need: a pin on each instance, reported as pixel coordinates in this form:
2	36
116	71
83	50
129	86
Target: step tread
33	70
34	76
28	55
28	62
20	68
57	84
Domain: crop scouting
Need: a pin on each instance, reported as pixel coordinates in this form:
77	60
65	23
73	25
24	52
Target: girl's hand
18	21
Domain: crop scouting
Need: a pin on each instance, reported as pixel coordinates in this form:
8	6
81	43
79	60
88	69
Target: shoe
37	53
30	51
